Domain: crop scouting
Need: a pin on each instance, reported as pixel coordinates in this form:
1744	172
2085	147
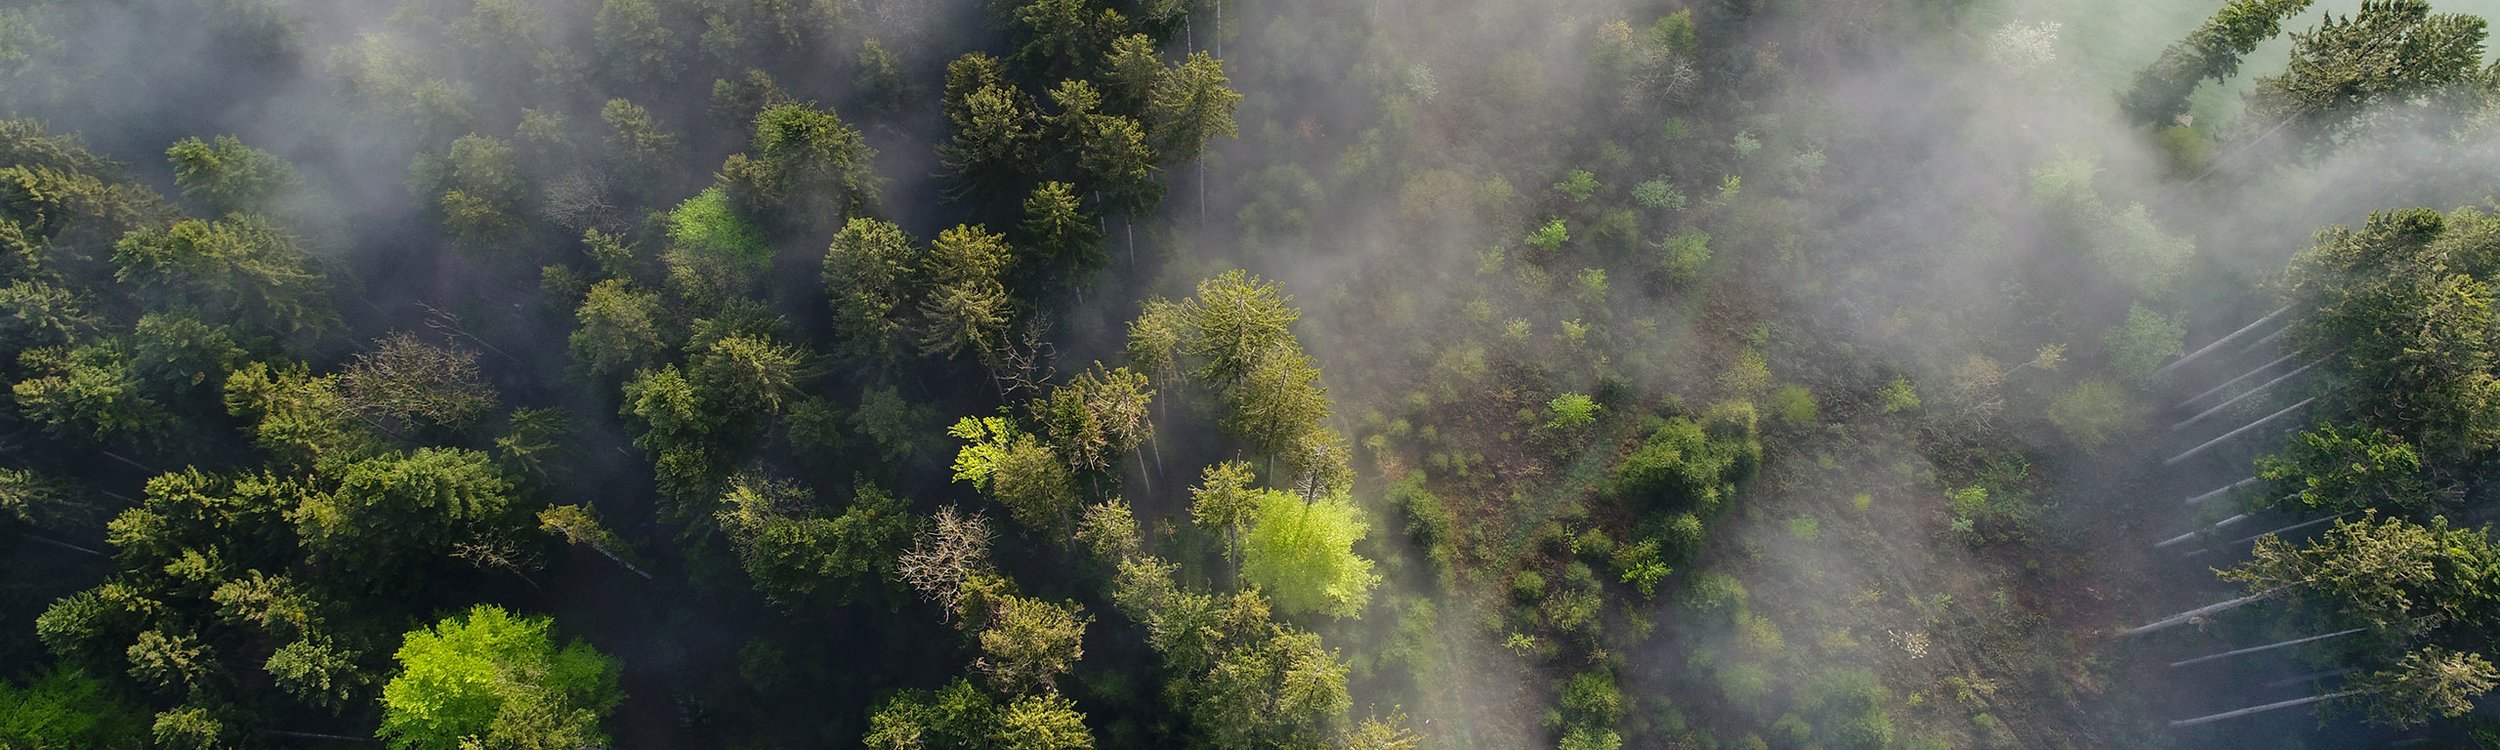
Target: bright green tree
488	678
1302	554
228	176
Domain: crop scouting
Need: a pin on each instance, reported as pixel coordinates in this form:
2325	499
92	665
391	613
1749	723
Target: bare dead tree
950	552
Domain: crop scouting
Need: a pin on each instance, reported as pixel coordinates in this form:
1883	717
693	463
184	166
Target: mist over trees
1589	374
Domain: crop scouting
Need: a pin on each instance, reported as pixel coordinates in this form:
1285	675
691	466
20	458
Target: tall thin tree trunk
2310	677
2209	444
2291	528
2220	491
602	550
2182	538
2264	708
2209	392
2264	648
133	464
2218	343
2204	611
319	736
2217	409
61	544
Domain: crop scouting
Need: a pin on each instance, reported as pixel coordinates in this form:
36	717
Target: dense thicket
1030	374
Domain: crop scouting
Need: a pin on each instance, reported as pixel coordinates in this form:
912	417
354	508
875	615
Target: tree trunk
61	544
2209	392
2220	491
2182	538
2209	444
2291	528
2310	677
2262	709
320	736
2267	647
2199	612
621	561
2200	416
2217	344
134	464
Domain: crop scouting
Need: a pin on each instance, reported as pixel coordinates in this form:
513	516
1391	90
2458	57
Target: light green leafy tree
488	678
1302	554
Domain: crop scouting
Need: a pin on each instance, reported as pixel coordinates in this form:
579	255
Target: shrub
1794	405
1684	464
2092	412
1527	586
1642	566
1578	185
1710	592
1571	410
1550	237
1592	700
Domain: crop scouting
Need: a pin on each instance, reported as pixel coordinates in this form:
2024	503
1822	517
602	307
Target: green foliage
1658	193
1804	528
2139	346
1591	700
1428	520
808	167
1527	586
1713	591
2212	51
2426	684
960	715
1029	643
1571	411
870	271
2393	575
1018	469
1097	416
243	268
65	709
229	176
1577	186
617	329
1682	257
1551	236
406	502
190	728
489	677
1642	565
1591	738
1793	404
89	393
967	306
1897	396
706	224
796	556
1190	104
2405	300
1301	554
1686	465
2342	468
2392	59
2093	411
1224	499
